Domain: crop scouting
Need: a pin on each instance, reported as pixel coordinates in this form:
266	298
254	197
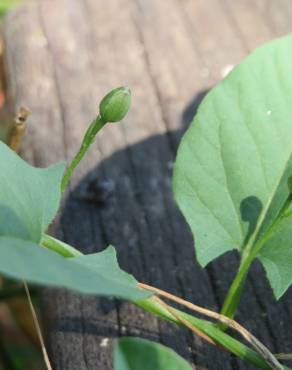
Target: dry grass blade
254	342
185	322
38	328
284	356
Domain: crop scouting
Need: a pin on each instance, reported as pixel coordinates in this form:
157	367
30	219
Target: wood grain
62	56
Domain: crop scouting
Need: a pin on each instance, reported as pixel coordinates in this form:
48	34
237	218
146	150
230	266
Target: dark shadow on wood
250	209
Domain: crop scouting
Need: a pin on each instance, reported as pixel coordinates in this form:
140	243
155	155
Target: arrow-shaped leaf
230	177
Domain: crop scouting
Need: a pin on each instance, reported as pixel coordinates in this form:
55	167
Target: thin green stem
59	247
88	139
232	299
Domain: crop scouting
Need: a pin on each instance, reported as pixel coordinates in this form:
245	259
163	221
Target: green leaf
141	354
29	200
230	176
6	5
29	196
92	274
276	257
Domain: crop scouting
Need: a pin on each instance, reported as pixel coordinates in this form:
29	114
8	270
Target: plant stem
231	301
88	139
59	247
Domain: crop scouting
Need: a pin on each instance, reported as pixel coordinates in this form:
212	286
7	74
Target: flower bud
115	105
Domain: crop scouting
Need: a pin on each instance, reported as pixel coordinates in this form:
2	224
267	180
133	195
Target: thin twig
254	342
284	356
18	129
185	322
38	328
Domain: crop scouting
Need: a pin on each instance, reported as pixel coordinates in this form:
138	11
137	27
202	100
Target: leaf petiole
59	247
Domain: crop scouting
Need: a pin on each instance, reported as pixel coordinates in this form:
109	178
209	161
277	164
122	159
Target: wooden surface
62	56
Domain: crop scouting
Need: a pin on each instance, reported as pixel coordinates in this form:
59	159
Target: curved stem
59	247
88	139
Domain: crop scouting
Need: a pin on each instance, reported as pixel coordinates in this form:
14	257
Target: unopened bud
115	105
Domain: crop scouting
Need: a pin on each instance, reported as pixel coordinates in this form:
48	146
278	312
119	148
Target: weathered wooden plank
30	82
277	18
62	56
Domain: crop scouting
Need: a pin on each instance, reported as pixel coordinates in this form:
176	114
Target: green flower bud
115	105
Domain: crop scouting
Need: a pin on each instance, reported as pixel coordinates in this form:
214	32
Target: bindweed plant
232	182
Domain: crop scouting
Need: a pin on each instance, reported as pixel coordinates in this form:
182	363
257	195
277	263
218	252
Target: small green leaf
141	354
29	196
92	274
233	164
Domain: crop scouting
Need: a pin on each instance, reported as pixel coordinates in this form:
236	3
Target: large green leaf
29	196
141	354
92	274
230	176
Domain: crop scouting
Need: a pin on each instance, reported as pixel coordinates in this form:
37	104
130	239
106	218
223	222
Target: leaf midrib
251	241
